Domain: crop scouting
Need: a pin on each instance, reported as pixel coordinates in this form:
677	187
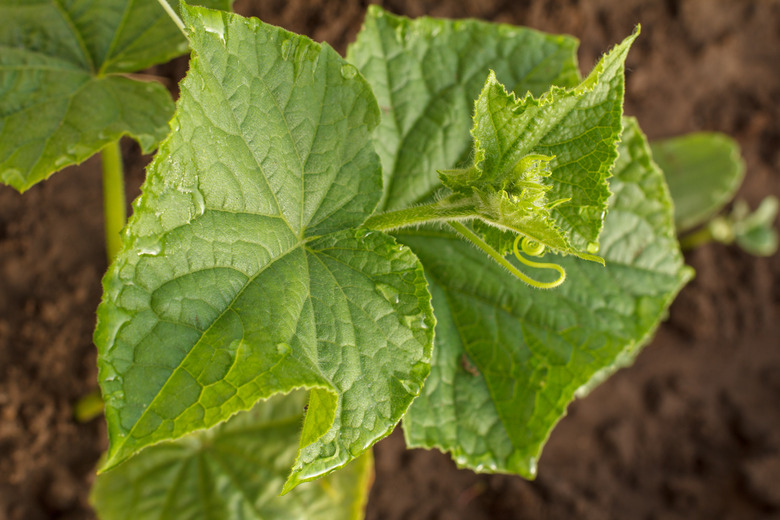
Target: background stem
113	198
697	239
88	407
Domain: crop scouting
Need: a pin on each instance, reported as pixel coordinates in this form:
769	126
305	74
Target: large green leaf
703	170
509	358
242	275
62	93
426	74
234	470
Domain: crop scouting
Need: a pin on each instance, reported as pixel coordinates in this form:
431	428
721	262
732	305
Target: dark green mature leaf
241	275
234	470
703	171
62	97
426	74
508	358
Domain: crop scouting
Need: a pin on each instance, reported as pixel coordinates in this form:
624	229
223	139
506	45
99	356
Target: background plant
69	89
712	160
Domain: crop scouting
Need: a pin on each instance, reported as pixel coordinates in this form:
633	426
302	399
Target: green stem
696	239
720	229
175	17
88	407
113	198
445	210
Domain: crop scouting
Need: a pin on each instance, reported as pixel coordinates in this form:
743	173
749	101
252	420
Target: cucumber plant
300	272
306	216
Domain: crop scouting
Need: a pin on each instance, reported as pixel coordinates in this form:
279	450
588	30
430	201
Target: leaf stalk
175	17
114	201
445	210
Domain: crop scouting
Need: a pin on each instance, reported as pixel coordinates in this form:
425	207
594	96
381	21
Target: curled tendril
534	248
530	247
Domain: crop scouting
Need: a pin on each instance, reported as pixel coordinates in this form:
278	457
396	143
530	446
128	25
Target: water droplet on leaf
348	71
361	233
410	386
62	161
389	292
424	323
411	322
285	49
213	23
108	373
283	349
148	246
593	248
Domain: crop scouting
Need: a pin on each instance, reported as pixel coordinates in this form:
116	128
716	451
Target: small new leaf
703	170
541	165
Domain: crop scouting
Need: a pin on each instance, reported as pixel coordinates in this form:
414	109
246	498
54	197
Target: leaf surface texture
244	274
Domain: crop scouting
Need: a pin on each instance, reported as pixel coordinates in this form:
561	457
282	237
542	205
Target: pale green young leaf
541	165
426	74
755	232
242	275
703	171
61	99
508	358
234	470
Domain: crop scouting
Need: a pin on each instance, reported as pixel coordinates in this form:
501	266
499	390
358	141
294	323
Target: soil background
691	431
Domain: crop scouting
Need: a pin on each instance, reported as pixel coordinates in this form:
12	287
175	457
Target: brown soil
692	430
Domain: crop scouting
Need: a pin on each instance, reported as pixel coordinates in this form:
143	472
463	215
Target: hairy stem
445	210
113	198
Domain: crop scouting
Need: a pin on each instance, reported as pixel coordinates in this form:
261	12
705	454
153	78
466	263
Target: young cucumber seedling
305	240
306	217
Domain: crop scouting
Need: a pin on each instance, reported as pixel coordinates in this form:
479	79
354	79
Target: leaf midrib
76	34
